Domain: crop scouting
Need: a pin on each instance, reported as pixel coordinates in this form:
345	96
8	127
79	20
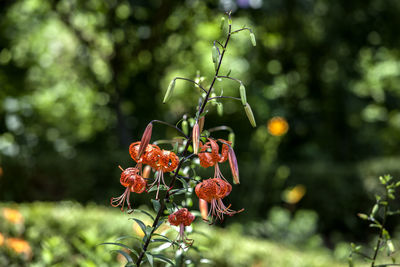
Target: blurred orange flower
278	126
1	239
19	245
295	194
13	216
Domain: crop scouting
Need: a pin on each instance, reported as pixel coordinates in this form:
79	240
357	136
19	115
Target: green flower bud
185	127
250	115
253	39
242	91
220	109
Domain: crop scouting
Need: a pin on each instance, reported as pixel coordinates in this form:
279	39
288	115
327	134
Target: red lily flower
182	218
133	182
213	190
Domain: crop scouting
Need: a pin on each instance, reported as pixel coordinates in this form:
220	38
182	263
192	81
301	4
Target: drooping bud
145	139
169	92
234	166
253	39
201	124
146	172
203	206
196	138
250	115
242	91
215	56
222	26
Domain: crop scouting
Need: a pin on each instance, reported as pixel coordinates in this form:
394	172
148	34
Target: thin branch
242	29
227	77
230	97
173	126
219	44
378	242
220	128
362	254
189	80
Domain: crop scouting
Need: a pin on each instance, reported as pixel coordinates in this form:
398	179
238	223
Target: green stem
378	242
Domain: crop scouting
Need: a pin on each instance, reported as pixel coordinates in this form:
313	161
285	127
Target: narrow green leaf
163	258
179	191
145	212
126	237
149	229
363	216
156	205
162	188
184	183
159	223
242	91
163	236
250	115
162	240
123	253
141	224
169	92
150	258
123	246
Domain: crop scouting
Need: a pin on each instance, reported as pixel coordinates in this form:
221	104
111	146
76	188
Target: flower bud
196	138
169	92
145	139
250	115
185	127
214	54
203	206
146	171
242	91
220	109
234	166
253	39
201	124
222	26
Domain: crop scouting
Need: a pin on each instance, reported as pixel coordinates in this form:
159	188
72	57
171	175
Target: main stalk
189	140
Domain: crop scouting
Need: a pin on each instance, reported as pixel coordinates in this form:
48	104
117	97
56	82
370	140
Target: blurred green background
80	80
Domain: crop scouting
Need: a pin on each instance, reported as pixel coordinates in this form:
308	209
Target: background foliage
79	80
